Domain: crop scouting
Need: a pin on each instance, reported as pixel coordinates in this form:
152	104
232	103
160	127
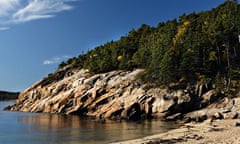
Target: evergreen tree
205	43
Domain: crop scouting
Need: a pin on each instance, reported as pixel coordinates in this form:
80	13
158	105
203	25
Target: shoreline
216	132
5	96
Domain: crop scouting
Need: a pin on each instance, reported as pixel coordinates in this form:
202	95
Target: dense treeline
193	47
8	95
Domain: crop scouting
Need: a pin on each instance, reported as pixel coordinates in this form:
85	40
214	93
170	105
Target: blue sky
36	35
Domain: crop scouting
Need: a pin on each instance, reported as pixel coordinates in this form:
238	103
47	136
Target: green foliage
8	95
168	72
204	43
53	77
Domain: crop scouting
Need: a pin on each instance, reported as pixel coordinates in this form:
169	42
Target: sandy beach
217	132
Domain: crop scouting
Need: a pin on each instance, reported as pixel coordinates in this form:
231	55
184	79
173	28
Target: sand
217	132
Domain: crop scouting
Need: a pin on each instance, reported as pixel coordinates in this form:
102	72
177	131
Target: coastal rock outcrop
115	95
225	108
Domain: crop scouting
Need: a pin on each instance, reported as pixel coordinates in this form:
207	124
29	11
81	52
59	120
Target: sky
37	35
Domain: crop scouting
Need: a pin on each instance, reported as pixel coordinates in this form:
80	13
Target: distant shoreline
4	95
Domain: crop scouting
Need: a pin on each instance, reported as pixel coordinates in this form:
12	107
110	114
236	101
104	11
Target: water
31	128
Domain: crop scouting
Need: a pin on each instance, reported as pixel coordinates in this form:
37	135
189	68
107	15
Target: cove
39	128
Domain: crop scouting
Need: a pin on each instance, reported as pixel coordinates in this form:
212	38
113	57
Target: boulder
218	115
208	98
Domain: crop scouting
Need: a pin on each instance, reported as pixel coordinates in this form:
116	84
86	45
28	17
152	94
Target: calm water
30	128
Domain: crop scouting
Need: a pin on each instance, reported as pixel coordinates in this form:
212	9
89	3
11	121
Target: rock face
115	95
226	108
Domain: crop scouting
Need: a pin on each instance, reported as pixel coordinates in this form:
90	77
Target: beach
216	132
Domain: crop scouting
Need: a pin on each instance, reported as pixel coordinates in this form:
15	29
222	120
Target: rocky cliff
114	95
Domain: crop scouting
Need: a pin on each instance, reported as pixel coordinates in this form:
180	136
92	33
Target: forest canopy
196	45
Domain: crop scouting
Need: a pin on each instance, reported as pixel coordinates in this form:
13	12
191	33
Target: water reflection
52	121
74	129
61	129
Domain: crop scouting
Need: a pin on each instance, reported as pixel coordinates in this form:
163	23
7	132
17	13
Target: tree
205	43
168	72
